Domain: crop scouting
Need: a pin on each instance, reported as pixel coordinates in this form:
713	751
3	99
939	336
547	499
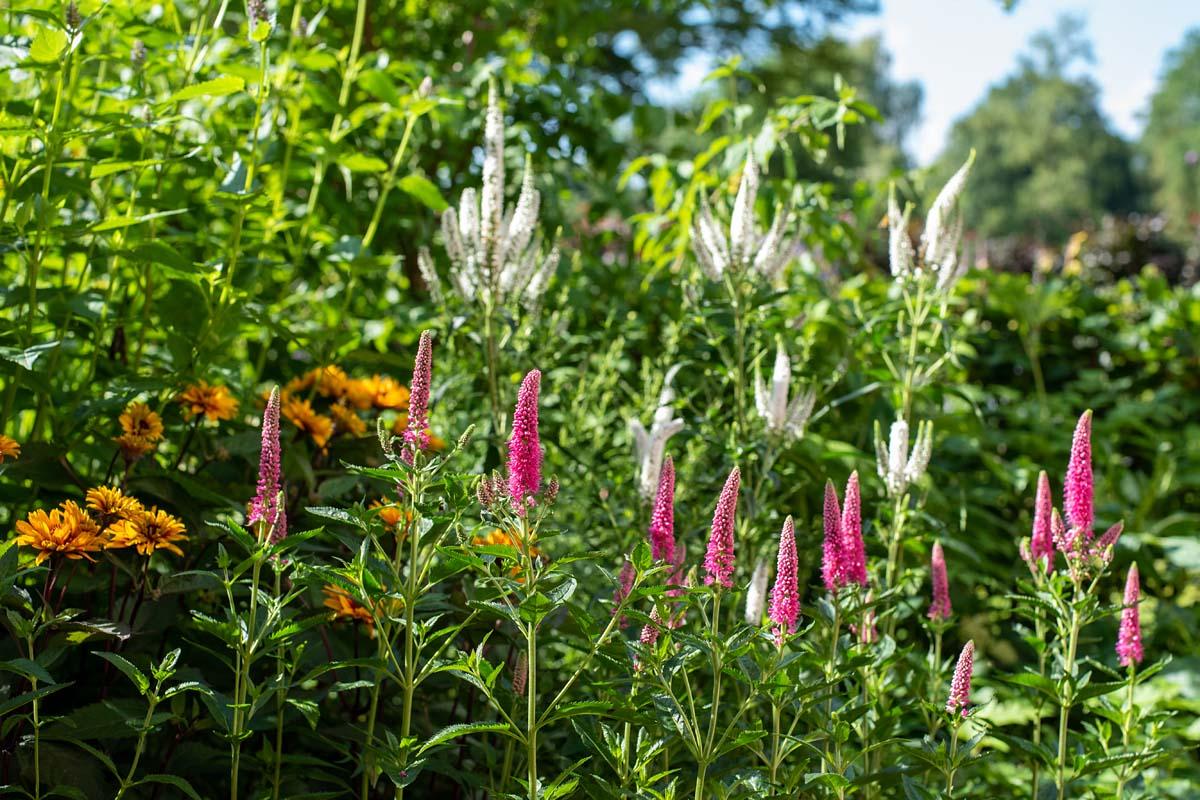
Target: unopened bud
137	54
552	490
465	439
426	87
72	17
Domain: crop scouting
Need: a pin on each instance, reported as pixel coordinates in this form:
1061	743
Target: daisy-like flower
509	539
388	393
67	530
151	530
301	414
345	608
213	402
109	505
9	448
140	422
346	421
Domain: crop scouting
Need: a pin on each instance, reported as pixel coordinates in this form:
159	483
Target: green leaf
454	731
48	45
132	672
361	162
28	669
424	190
172	780
217	87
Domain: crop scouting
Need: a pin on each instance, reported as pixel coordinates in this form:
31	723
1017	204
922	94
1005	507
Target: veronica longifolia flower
1078	485
745	250
896	466
854	554
416	436
901	258
266	507
782	418
662	516
832	571
524	446
718	560
1040	552
940	608
1129	638
943	229
495	254
960	686
785	596
649	446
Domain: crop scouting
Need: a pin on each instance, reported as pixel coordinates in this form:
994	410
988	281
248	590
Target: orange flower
133	447
214	402
109	505
388	393
507	539
9	448
67	530
346	421
436	443
138	421
148	531
301	414
345	607
389	513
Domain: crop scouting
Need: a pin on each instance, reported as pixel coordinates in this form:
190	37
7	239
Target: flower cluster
649	446
783	418
111	520
495	254
939	240
325	402
899	468
746	249
843	559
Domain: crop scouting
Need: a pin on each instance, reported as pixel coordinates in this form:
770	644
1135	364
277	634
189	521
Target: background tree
1048	161
1171	143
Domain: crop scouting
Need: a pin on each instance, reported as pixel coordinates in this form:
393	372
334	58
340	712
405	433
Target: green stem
37	729
531	720
388	181
280	697
951	768
141	743
1065	703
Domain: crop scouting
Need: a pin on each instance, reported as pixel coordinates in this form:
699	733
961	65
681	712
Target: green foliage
1169	142
203	202
1049	162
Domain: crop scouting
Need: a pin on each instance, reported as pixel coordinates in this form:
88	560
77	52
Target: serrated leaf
130	671
463	729
48	45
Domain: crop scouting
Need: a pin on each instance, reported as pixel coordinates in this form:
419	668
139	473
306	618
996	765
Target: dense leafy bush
679	492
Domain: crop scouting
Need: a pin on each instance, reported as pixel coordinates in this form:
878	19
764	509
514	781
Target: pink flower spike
1129	637
652	629
662	517
265	507
416	436
1041	545
940	608
520	674
785	596
854	557
1078	487
960	686
524	447
831	555
718	560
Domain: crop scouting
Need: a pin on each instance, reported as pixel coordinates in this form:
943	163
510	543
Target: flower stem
1065	703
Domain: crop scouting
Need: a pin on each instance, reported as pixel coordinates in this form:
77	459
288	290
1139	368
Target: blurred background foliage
125	184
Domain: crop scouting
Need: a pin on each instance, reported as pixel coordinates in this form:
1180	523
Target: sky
958	48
